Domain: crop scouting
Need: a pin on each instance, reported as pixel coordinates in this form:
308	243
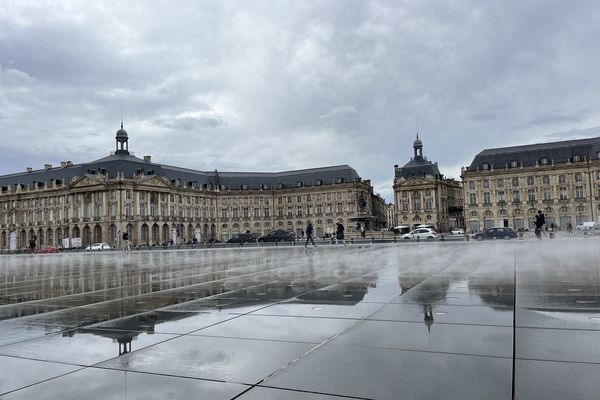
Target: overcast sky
280	85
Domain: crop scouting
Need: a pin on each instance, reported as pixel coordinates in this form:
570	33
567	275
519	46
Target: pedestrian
302	232
309	234
569	229
362	231
540	221
339	233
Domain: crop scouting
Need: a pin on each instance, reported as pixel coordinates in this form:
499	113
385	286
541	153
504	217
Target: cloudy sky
279	85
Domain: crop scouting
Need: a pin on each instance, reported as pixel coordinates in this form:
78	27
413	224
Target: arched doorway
129	229
12	240
97	234
114	240
86	240
50	237
40	238
155	234
59	237
165	233
213	229
144	233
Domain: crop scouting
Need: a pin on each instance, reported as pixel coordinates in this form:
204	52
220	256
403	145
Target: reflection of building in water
124	330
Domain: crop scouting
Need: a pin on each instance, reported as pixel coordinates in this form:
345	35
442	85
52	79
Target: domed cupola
418	146
121	138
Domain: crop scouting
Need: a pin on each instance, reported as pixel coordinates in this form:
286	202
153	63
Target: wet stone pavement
499	320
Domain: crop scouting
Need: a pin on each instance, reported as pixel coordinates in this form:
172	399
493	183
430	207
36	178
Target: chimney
47	166
148	159
69	163
63	164
29	169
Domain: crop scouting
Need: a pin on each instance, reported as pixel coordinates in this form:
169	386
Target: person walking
339	233
309	234
540	221
569	229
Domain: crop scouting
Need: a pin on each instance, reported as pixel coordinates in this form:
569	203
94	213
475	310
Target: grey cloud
191	124
281	81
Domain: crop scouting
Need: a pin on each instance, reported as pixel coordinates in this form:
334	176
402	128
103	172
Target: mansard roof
129	166
528	155
419	167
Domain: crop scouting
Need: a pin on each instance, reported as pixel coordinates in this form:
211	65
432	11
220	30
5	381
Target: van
585	226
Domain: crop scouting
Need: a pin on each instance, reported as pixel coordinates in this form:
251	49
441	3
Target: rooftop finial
121	112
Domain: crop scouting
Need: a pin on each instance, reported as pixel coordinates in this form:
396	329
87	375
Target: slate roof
419	167
527	155
129	165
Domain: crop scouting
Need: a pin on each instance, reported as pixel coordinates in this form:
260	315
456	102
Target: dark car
495	233
278	235
243	238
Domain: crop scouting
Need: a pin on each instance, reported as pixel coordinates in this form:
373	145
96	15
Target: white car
420	233
458	231
98	246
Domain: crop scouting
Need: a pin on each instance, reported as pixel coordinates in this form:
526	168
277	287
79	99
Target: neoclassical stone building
155	203
507	186
422	195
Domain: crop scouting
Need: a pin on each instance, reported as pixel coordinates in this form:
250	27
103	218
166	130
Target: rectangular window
245	212
472	185
578	177
235	213
515	182
516	196
546	179
405	194
531	195
298	211
579	192
224	213
547	193
530	180
500	195
256	212
428	204
486	198
473	199
561	179
405	205
500	183
267	212
485	183
280	211
562	193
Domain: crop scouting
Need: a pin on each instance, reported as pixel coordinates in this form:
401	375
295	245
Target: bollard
395	239
418	238
372	240
352	240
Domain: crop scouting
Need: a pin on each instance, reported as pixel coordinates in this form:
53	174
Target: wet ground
419	321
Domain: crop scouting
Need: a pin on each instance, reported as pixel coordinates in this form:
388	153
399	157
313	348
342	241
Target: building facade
155	203
422	195
505	187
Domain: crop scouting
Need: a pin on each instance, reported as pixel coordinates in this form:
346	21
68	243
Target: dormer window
299	184
544	161
576	158
319	182
514	164
244	187
485	166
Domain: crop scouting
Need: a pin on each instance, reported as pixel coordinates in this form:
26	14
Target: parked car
585	226
48	249
495	233
420	233
278	235
458	231
243	238
98	246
